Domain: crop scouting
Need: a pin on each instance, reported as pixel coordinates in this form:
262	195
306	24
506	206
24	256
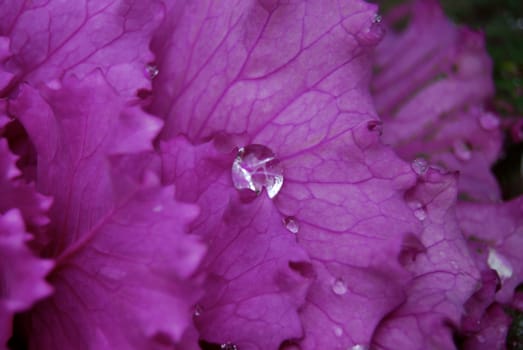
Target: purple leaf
50	40
493	331
444	273
74	131
22	275
264	68
253	290
495	233
432	82
16	193
123	278
293	78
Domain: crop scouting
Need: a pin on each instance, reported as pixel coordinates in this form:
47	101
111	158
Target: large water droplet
500	264
462	150
420	166
257	167
339	287
291	224
489	121
151	71
228	346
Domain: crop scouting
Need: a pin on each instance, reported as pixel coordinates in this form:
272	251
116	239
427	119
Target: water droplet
420	166
419	210
197	310
373	33
338	331
500	264
462	150
420	213
158	208
54	84
358	347
339	287
256	167
151	71
291	224
489	121
228	346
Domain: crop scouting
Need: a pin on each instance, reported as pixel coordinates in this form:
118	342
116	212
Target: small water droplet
358	347
339	287
500	264
489	121
420	166
338	331
228	346
372	34
256	167
197	310
420	214
151	71
158	208
291	224
462	150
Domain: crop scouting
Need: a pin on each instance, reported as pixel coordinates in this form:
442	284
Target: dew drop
339	287
151	71
373	33
358	347
500	264
256	167
462	150
420	214
338	331
228	346
419	210
489	121
291	224
197	310
420	166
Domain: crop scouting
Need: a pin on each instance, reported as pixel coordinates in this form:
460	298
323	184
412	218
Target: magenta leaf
124	270
444	273
254	284
493	331
309	104
495	233
16	193
74	131
50	40
432	83
219	71
22	275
